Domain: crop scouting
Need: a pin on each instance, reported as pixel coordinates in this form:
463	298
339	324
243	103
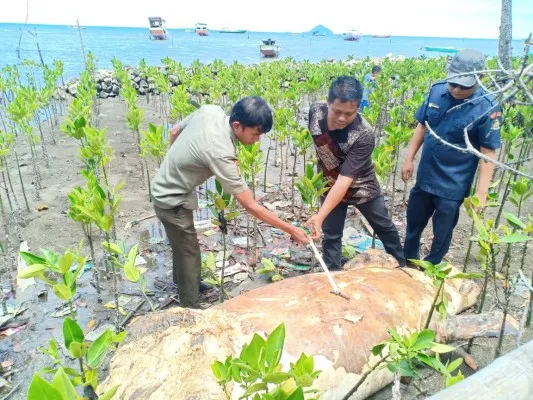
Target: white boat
158	30
201	29
381	36
269	48
352	35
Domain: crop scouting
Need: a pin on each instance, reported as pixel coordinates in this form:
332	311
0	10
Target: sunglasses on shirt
456	85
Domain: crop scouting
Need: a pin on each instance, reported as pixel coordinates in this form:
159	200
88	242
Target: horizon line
249	30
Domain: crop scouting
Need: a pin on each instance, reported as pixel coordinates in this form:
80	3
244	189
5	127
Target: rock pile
107	85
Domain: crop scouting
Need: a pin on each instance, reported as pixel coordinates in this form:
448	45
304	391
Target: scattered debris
281	252
238	278
41	207
12	331
87	267
62	311
235	269
294	267
210	232
220	256
23	284
139	260
93	335
240	241
203	224
81	304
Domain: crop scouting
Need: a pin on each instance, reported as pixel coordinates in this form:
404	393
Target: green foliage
154	144
260	374
58	271
348	251
270	269
250	159
311	186
222	206
406	352
208	270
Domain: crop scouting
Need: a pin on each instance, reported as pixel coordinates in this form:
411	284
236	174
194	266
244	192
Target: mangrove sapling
222	202
60	388
472	204
303	142
85	204
439	274
125	261
269	268
528	230
509	284
312	186
397	135
402	354
250	159
208	270
154	145
269	135
258	368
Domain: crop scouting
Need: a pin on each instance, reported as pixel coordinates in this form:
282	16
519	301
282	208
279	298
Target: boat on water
318	33
81	27
378	36
269	48
444	49
228	30
158	30
201	29
353	35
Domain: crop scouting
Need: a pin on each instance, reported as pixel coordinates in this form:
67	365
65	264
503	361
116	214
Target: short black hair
345	88
252	111
376	68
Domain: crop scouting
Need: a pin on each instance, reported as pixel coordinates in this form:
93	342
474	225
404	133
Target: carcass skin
168	354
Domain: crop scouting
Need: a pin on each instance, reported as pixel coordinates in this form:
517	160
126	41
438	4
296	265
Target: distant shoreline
70	26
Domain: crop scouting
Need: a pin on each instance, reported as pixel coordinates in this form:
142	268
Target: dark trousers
377	216
421	207
186	256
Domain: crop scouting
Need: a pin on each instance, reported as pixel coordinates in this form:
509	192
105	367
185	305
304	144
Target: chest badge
433	105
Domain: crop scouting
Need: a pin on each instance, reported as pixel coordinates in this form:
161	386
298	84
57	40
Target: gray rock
103	95
108	89
142	91
174	80
98	87
135	86
143	83
151	80
103	86
115	88
137	79
108	80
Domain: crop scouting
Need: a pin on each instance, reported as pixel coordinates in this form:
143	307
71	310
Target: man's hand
315	225
482	197
299	236
407	170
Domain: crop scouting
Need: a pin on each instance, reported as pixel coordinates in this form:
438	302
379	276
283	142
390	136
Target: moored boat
201	29
352	35
444	49
269	48
158	31
228	30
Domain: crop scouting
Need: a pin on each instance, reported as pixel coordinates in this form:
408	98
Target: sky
435	18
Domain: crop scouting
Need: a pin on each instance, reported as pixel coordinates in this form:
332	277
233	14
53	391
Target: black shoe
205	286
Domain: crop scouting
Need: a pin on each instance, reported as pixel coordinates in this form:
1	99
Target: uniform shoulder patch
495	115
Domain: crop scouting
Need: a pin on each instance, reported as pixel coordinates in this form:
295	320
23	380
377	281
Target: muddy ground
53	229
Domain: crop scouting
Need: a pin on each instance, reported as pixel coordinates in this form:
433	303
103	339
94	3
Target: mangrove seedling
259	373
312	186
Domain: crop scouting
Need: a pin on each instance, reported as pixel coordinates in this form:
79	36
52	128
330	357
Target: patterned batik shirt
346	152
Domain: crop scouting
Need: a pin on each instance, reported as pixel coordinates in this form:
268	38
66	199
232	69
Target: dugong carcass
167	355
